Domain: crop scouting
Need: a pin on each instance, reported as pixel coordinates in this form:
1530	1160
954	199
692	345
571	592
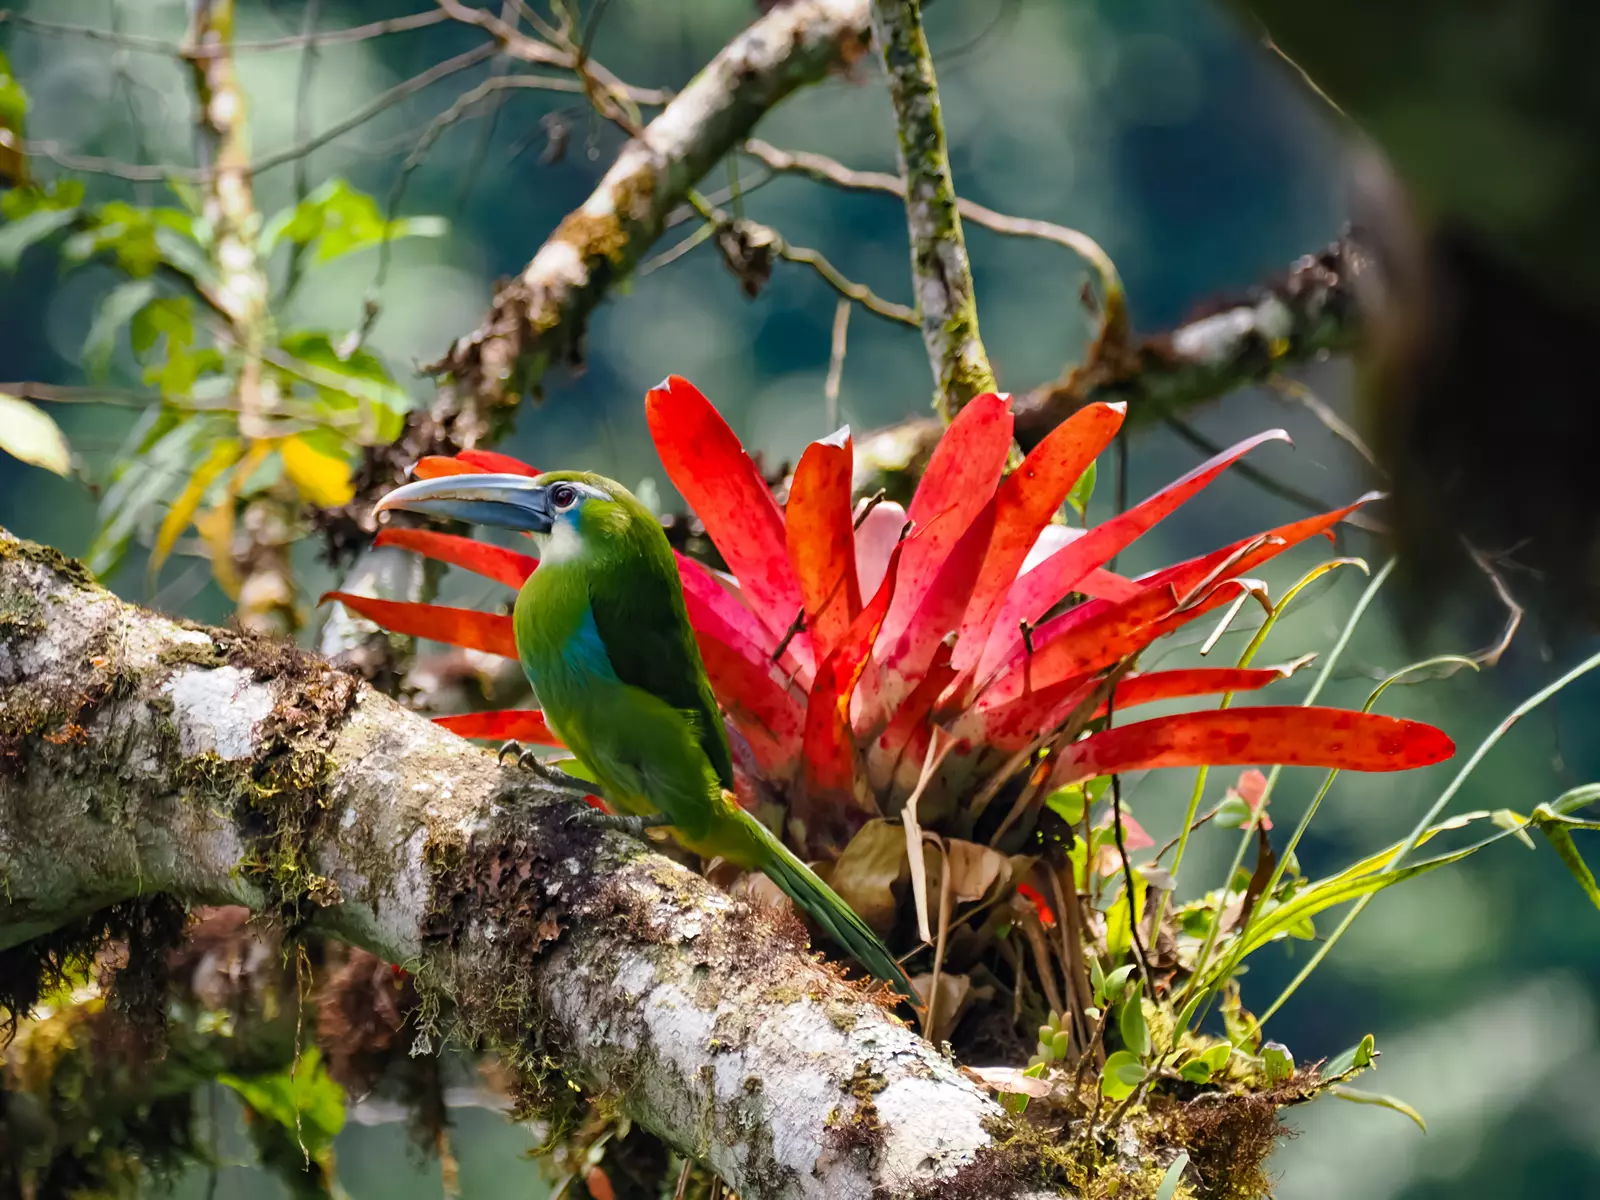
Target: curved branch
139	755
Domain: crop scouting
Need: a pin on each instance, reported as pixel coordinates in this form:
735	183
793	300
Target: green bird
604	638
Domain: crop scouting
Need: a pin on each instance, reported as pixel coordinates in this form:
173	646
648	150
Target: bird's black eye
563	495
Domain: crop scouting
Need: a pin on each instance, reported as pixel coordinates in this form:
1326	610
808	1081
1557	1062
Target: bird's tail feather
842	923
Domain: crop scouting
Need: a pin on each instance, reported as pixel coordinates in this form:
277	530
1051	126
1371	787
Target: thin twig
1263	480
1120	834
1331	421
1490	656
836	352
132	41
822	169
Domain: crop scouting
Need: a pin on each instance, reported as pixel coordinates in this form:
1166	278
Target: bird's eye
564	495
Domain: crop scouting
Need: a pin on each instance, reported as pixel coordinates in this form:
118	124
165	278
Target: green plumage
604	638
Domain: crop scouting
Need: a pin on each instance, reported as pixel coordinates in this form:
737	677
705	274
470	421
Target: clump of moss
862	1130
145	930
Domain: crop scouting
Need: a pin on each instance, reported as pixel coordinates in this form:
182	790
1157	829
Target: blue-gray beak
507	501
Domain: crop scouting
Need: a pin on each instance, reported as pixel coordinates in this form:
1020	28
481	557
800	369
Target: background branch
539	318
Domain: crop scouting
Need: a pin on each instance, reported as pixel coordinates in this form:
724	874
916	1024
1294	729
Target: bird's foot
633	826
553	776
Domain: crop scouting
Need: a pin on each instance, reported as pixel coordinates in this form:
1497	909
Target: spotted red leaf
830	752
704	459
1047	584
481	558
821	541
1013	725
956	486
1293	736
489	632
1024	504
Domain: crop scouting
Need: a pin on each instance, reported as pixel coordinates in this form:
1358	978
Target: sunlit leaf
1358	1058
955	487
223	454
1082	491
1123	1072
322	478
1174	1176
1131	1024
27	432
1024	503
1277	1060
1293	736
821	540
302	1097
1360	1097
706	463
337	219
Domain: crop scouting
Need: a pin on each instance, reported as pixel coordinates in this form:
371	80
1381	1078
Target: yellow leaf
216	525
321	478
223	455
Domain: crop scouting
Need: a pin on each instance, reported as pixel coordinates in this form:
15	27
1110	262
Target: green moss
70	569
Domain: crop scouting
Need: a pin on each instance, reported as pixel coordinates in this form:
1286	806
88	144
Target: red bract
841	643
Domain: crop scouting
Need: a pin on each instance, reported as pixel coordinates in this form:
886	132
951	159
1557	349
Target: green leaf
1559	838
116	310
1232	813
1067	803
1123	1072
168	457
17	235
1119	927
27	432
359	384
303	1098
1081	491
1359	1097
1131	1023
1110	989
1578	797
1173	1177
169	317
1277	1060
337	219
1358	1058
1195	1071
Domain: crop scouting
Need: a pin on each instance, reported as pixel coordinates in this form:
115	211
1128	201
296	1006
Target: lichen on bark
940	270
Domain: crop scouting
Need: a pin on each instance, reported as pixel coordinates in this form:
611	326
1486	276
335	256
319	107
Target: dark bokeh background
1196	160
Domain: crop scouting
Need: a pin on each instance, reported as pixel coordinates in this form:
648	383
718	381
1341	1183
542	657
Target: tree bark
139	754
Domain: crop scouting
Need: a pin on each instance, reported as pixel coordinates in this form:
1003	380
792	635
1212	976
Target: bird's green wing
639	612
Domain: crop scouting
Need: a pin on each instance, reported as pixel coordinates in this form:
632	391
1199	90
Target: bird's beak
508	501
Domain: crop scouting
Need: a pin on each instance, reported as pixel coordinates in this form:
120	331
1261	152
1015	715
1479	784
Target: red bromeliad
966	644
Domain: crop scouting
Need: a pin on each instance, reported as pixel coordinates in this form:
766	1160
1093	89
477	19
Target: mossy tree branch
940	271
141	756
